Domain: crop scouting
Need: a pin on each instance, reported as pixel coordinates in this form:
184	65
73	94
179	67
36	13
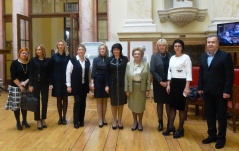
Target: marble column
139	16
86	21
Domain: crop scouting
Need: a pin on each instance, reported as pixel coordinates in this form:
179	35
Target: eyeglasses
177	46
26	54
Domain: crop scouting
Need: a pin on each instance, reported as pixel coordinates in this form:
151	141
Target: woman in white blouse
78	75
179	77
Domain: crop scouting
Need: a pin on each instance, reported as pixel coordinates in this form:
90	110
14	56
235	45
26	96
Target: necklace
25	71
162	56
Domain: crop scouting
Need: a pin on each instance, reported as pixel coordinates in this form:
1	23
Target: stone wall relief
182	13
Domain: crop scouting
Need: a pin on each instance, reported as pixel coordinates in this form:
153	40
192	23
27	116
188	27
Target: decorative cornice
182	15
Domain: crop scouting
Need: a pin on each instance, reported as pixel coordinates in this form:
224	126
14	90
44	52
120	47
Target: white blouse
180	67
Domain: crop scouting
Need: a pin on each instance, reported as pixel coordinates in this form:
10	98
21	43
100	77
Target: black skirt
99	83
160	93
176	98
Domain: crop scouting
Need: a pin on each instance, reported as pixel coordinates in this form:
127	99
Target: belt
137	81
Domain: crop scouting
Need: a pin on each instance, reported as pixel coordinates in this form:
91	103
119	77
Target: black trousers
216	109
43	90
79	106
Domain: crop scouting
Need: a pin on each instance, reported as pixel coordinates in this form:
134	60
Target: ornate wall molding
182	15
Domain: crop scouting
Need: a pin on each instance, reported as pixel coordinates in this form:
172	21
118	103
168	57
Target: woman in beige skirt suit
137	86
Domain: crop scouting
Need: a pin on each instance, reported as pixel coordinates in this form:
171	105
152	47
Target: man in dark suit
215	83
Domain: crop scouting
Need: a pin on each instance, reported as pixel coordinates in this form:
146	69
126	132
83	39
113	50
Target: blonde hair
162	42
42	49
106	49
81	45
21	50
65	47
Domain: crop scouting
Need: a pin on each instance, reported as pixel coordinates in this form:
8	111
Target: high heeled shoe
43	125
179	133
24	123
134	128
64	122
39	127
105	123
160	126
168	131
60	121
19	126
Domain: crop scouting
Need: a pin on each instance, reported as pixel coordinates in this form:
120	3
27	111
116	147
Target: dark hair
210	36
117	45
179	41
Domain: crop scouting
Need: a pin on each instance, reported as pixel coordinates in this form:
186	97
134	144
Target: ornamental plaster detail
182	16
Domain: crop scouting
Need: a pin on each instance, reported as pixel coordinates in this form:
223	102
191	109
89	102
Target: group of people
125	82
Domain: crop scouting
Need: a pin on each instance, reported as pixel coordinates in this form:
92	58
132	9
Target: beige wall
118	17
47	31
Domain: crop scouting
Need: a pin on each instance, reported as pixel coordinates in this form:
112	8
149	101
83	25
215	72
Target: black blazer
157	66
219	76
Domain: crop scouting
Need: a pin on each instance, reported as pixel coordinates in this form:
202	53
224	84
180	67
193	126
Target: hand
127	93
226	96
107	89
51	87
163	84
200	92
92	87
186	91
147	93
23	83
31	88
168	89
22	88
69	89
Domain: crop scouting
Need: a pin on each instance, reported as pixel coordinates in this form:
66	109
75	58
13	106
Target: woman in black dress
39	83
116	66
78	75
159	69
98	82
58	63
19	81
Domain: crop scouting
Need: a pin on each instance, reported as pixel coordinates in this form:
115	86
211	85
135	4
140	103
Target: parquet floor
92	138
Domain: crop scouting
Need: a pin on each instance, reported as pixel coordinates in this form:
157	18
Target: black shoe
105	123
24	123
19	126
64	122
44	126
101	125
121	127
82	124
141	129
114	127
60	121
220	144
209	140
168	131
76	126
134	128
40	128
179	133
160	127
